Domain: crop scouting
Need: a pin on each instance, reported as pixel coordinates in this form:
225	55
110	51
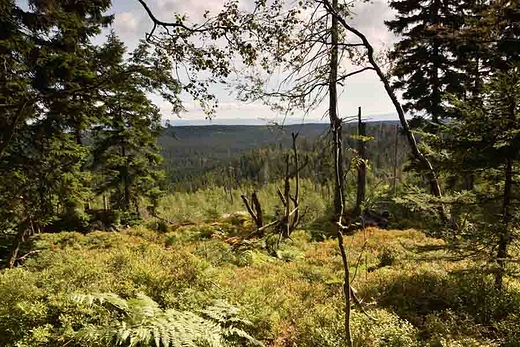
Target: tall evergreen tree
423	61
484	141
125	140
15	72
48	83
503	19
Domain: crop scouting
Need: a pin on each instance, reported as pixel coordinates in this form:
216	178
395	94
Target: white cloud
194	9
128	23
364	90
369	18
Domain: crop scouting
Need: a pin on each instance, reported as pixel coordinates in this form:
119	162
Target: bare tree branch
432	176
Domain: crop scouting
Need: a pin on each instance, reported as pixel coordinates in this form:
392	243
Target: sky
364	90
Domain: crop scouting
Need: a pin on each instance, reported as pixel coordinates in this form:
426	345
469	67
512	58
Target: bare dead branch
249	209
281	196
25	256
258	210
166	25
360	304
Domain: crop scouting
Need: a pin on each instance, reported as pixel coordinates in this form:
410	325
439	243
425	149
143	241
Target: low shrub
327	330
420	298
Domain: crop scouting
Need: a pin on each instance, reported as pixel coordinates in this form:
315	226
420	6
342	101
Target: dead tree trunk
230	184
255	210
339	200
296	199
287	199
292	214
362	168
291	204
25	229
258	210
417	154
395	159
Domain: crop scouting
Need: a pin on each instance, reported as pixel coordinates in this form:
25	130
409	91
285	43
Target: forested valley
118	228
218	155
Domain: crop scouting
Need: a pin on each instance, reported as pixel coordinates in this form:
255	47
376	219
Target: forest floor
419	292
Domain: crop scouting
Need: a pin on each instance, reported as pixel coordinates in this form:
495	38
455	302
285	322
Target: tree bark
23	232
505	235
255	210
336	124
126	178
258	210
395	159
287	198
362	169
412	142
296	199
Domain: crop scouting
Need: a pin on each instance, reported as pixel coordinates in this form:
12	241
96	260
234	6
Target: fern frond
142	322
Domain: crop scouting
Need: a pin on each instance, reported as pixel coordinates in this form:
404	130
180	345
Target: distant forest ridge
225	140
259	121
194	153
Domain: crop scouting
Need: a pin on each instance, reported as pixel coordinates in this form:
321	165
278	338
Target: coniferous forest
118	228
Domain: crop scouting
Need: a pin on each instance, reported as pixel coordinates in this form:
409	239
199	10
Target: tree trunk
255	211
416	153
230	184
435	59
258	210
336	124
23	231
296	199
505	236
362	169
287	198
395	159
126	179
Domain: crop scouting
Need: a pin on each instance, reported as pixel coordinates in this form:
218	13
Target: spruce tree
48	85
484	141
502	20
125	147
424	65
15	73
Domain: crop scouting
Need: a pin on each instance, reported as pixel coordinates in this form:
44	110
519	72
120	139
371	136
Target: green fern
141	322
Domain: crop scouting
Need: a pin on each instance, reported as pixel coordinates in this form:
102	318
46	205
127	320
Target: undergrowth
419	294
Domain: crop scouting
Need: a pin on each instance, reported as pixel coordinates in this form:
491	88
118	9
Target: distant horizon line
265	122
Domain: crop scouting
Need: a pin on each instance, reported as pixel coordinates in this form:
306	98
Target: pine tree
48	86
125	140
484	141
423	58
